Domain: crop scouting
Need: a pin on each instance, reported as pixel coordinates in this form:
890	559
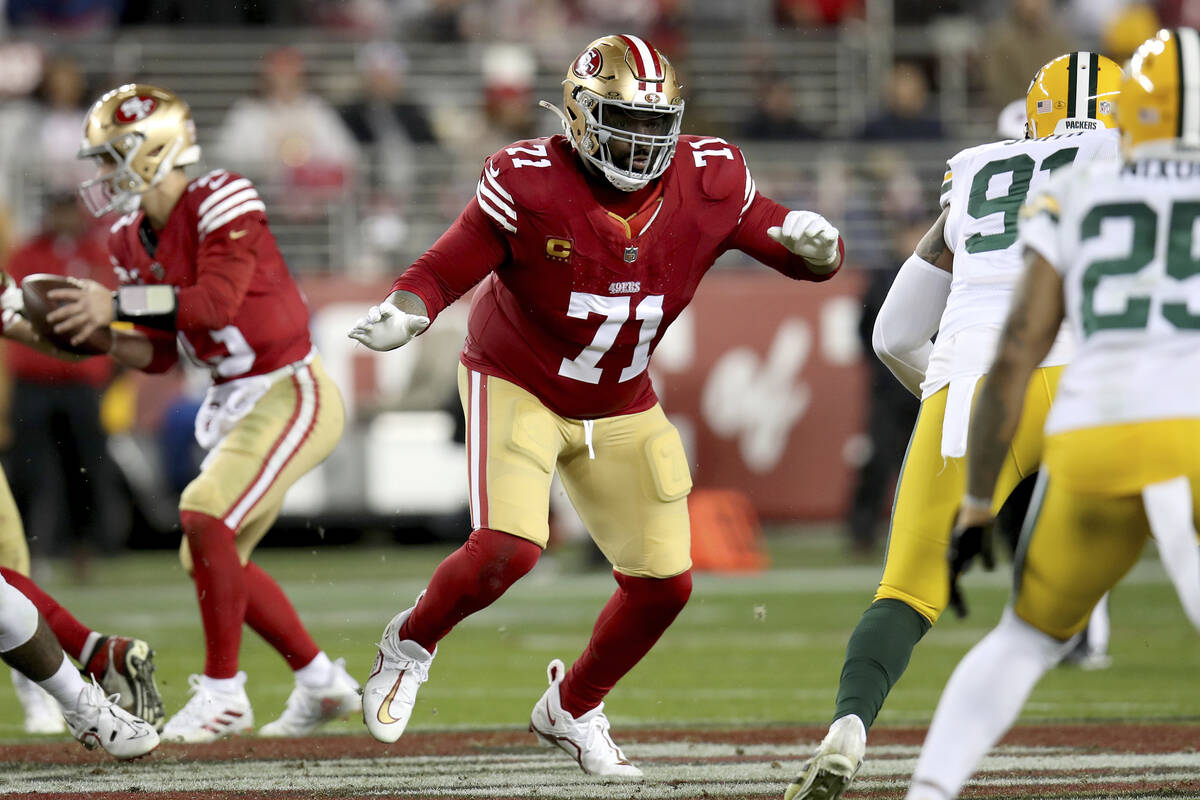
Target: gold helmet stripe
1189	86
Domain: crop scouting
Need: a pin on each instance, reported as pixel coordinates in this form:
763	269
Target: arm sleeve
224	268
909	318
751	238
463	255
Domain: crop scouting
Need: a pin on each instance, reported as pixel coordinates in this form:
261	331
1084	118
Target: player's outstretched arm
391	324
912	310
810	236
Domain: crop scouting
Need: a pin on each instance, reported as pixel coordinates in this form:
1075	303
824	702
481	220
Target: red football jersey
580	281
239	310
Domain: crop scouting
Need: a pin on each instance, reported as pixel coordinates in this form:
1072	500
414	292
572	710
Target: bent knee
927	606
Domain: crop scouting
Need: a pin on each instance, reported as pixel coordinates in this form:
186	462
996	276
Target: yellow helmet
1074	92
146	132
614	79
1160	97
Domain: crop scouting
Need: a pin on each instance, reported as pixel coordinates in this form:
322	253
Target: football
35	291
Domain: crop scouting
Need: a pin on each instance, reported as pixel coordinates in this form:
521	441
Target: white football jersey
985	187
1124	238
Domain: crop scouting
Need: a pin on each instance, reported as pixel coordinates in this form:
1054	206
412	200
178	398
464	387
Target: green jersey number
1021	167
1181	264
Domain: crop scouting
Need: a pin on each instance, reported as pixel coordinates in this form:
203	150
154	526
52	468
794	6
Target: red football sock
272	616
70	632
631	622
220	588
470	578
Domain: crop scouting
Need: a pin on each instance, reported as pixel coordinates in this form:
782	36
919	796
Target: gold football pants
626	475
290	430
1087	521
930	489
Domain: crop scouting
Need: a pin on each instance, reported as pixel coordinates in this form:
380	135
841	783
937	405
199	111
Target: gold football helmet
1074	92
623	107
137	134
1160	97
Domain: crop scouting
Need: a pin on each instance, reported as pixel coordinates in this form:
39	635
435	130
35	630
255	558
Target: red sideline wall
764	377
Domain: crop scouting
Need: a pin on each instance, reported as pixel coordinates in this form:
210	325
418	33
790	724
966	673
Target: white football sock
317	673
232	685
981	701
89	648
1099	627
1169	510
65	684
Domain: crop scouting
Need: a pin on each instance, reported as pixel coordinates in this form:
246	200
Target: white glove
808	235
386	327
12	302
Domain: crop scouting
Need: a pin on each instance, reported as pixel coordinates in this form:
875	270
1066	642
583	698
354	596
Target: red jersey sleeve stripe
222	193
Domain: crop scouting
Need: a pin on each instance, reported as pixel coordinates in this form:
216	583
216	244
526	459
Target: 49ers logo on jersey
588	64
135	109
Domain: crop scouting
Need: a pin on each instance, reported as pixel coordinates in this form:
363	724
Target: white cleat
42	712
837	760
585	739
391	689
308	708
97	721
209	716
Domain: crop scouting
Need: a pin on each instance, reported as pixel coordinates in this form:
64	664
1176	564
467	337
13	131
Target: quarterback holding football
586	246
198	265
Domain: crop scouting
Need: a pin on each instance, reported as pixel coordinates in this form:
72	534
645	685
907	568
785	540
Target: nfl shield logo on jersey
630	255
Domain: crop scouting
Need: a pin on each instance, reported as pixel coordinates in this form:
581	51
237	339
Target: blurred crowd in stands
374	140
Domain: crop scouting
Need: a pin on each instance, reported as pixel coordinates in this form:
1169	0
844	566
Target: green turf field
763	648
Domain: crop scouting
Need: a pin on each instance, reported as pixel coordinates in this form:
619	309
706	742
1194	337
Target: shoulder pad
221	197
525	174
719	168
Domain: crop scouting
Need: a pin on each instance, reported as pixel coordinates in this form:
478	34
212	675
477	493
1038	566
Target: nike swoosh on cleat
384	715
549	716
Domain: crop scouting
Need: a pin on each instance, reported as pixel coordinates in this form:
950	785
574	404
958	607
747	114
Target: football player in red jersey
588	245
198	265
